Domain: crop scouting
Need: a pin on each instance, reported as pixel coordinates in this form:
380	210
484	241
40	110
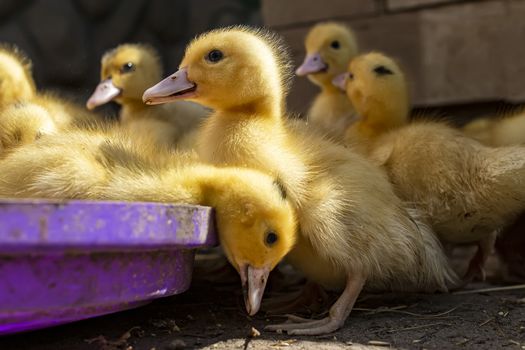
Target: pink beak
340	81
175	87
313	63
253	283
104	92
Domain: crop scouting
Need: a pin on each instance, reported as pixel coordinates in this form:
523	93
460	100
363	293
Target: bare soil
212	316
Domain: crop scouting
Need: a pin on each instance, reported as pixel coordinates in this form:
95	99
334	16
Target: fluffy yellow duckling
383	105
252	212
354	231
26	114
329	48
467	191
126	71
21	124
16	83
18	86
504	130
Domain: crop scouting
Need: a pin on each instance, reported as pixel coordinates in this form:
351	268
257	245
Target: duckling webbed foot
335	319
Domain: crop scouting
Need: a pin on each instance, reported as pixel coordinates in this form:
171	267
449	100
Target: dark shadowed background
459	54
66	38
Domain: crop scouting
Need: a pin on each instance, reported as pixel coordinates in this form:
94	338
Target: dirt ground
212	316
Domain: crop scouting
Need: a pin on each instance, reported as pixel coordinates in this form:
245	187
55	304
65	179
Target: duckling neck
132	109
330	89
385	118
209	184
266	106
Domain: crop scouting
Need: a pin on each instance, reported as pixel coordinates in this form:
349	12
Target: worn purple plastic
63	261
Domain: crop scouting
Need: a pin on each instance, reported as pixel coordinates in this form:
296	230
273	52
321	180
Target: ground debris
463	341
165	324
177	344
120	343
254	333
378	343
284	343
419	327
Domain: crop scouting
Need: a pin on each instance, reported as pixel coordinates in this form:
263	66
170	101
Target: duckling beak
176	86
253	284
313	63
104	92
340	81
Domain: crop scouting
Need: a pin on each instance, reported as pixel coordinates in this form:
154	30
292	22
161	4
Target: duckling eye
382	70
335	44
271	238
215	56
350	76
127	67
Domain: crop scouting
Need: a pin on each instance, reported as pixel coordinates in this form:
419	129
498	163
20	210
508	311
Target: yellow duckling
126	71
505	130
26	114
382	105
21	124
18	86
354	231
467	191
16	83
329	48
252	212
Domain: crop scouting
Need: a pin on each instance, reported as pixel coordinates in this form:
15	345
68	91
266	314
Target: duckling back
466	190
22	124
503	130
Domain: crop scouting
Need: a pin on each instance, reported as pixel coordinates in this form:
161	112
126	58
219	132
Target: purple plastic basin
63	261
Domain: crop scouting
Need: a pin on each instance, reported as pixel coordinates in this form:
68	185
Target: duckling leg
477	263
336	317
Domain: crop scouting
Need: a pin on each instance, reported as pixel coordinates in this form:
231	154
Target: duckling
21	124
126	71
504	130
329	48
25	111
354	231
251	211
467	191
383	105
16	83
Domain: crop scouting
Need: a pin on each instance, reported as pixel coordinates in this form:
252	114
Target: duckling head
234	68
257	228
16	80
329	48
377	88
126	71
